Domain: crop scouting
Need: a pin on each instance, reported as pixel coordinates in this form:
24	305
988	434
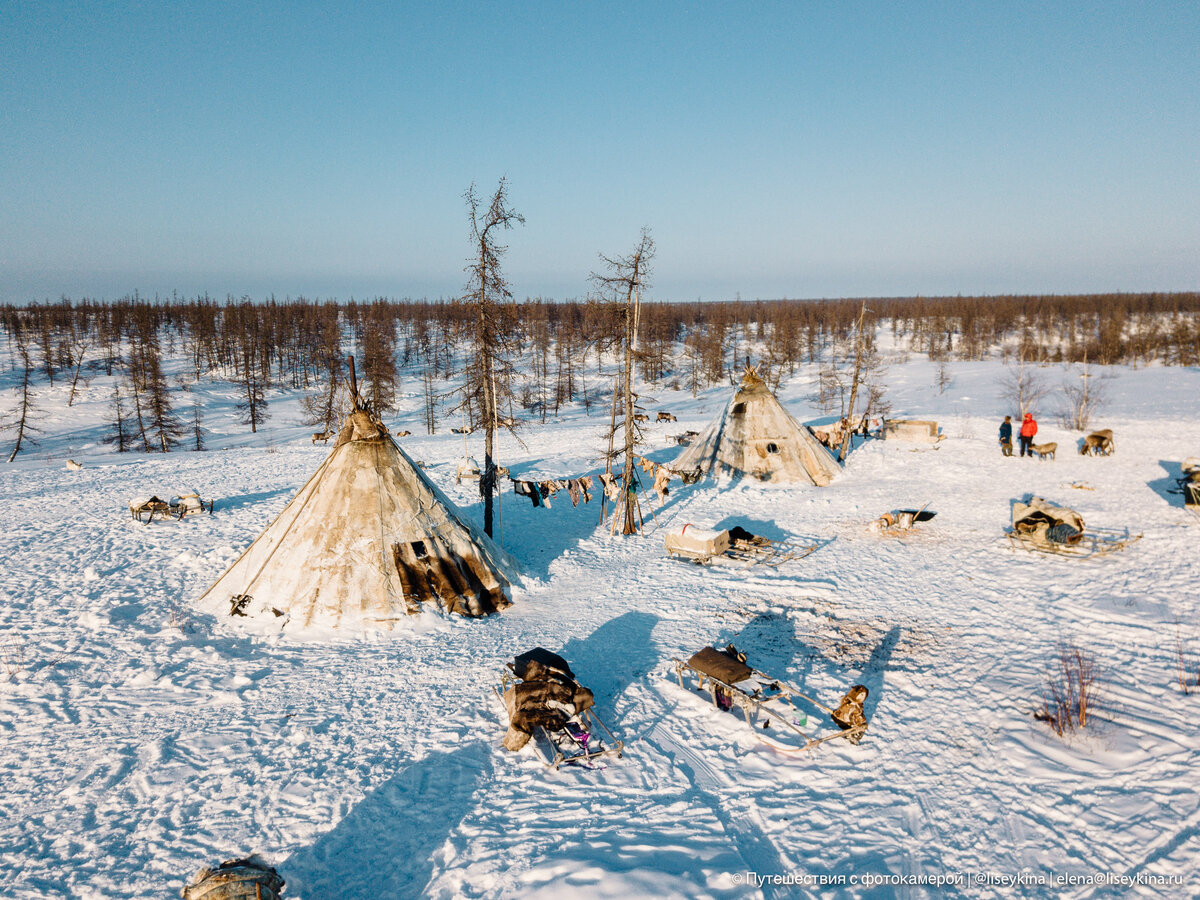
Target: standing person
1006	435
1028	430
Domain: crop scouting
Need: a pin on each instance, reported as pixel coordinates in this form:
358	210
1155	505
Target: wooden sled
146	511
900	522
768	706
584	738
740	548
1093	543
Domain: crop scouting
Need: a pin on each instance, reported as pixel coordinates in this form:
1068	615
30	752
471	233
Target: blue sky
774	149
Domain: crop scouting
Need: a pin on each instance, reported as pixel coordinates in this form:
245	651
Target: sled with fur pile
560	747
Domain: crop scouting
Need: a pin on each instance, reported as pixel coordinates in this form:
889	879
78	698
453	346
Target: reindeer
641	417
1098	443
322	436
403	433
666	417
1044	451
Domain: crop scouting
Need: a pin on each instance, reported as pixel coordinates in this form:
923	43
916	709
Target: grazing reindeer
641	417
322	436
1044	451
1098	443
666	417
403	433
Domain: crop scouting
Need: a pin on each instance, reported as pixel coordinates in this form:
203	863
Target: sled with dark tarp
901	521
235	879
770	705
734	546
1044	527
1189	484
546	705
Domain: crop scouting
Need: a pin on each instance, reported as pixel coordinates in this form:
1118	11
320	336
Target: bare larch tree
22	425
624	282
490	374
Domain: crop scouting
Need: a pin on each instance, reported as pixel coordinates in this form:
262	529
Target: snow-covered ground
141	739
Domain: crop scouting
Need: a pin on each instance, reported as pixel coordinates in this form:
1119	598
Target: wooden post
353	387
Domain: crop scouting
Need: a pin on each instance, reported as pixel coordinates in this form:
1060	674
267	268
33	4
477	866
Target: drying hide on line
754	435
362	544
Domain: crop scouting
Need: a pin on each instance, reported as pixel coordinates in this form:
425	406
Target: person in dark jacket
1006	436
1028	430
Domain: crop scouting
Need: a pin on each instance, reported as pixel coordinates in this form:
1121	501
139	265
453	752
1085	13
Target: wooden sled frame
1191	495
164	510
901	522
1095	542
561	747
754	552
758	703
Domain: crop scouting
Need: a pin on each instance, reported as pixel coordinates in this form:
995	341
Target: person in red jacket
1028	430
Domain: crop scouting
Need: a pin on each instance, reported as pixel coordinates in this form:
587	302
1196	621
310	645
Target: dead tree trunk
628	276
81	350
23	425
858	358
488	290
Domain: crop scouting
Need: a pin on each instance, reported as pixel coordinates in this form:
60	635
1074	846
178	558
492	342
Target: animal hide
849	714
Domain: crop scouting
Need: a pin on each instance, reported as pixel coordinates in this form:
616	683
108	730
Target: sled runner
1040	526
1091	543
737	546
768	704
546	705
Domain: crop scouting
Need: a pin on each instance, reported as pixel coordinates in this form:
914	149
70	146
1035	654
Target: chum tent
754	435
364	542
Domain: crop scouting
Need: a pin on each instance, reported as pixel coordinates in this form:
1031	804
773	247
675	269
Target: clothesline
541	492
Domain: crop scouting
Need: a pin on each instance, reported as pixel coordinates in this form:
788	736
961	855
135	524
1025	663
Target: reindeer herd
1098	443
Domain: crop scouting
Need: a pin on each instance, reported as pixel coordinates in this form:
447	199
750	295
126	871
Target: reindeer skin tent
362	544
756	436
